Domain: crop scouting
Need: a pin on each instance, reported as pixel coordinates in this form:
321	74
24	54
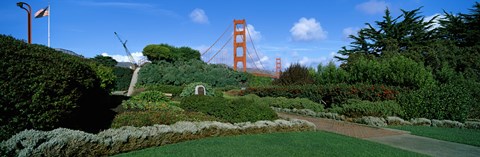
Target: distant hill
68	52
124	64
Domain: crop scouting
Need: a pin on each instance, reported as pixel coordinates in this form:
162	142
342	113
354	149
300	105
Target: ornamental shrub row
66	142
234	111
329	94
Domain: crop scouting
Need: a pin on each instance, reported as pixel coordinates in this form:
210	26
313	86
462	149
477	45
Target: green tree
295	74
105	60
390	35
158	52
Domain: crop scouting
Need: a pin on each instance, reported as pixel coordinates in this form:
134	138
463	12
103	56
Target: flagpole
49	14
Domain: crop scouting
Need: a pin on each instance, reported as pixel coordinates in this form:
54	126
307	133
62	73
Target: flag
42	12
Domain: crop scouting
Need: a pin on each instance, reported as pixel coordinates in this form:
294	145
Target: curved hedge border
382	122
66	142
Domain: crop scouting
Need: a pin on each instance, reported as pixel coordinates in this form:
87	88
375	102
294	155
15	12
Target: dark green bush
282	102
392	71
329	94
41	88
236	110
446	101
151	96
149	118
295	74
174	90
358	108
184	72
123	78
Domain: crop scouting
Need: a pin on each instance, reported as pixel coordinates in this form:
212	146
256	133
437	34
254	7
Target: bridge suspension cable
253	45
228	28
220	49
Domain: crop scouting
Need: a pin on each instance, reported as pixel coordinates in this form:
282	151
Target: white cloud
436	22
312	62
199	16
372	6
256	35
307	30
349	31
137	56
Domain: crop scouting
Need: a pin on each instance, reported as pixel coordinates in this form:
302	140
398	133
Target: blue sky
309	32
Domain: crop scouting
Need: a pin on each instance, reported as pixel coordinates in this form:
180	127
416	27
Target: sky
309	32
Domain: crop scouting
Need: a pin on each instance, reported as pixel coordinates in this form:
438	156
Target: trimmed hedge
330	94
149	118
123	78
358	108
282	102
446	101
43	89
236	110
189	90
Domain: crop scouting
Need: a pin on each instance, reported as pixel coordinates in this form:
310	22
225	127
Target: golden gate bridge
239	36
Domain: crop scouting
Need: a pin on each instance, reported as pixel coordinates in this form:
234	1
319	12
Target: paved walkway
394	138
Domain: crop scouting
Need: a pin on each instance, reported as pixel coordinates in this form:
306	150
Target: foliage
255	81
358	108
329	94
391	71
400	33
174	90
151	96
105	74
123	78
182	73
236	110
66	142
104	60
317	143
445	101
43	89
457	135
295	74
150	118
330	74
189	90
285	103
168	53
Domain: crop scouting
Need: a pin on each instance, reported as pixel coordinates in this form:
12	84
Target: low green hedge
358	108
235	110
174	90
149	118
282	102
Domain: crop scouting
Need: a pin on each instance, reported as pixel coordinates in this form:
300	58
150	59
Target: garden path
395	138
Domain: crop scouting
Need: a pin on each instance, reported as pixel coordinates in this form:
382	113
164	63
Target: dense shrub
282	102
357	108
149	118
174	90
446	101
392	71
255	81
182	73
329	94
43	89
236	110
123	78
295	74
330	74
190	89
151	96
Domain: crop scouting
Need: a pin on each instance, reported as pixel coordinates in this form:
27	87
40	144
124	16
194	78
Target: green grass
465	136
276	144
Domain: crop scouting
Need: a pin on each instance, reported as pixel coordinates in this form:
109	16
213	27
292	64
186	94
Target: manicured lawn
465	136
277	144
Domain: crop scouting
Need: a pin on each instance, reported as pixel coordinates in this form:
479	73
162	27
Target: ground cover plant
276	144
458	135
235	110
